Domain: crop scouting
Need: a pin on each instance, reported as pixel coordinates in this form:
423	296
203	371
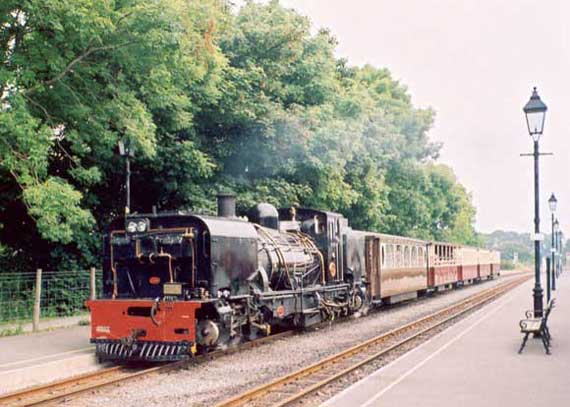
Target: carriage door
372	256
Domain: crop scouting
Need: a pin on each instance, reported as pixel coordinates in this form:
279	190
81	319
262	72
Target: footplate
147	351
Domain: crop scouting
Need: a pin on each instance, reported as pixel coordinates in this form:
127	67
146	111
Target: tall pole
553	240
537	291
559	245
549	262
128	185
553	246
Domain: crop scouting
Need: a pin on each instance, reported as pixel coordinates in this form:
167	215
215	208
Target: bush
507	265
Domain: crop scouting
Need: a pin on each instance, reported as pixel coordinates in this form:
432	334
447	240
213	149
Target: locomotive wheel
207	333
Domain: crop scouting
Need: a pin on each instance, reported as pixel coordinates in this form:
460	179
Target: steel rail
77	385
261	395
81	384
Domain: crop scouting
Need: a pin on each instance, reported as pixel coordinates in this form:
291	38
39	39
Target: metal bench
537	326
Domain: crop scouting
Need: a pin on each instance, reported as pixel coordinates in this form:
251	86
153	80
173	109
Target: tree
78	75
212	97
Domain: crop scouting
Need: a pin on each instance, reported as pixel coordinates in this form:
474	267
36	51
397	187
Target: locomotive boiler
175	283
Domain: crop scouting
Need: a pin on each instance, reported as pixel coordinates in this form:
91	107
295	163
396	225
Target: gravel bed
207	383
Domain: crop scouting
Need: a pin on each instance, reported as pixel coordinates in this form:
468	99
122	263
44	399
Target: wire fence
62	293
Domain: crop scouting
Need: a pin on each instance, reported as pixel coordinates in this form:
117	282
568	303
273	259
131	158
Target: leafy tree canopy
212	98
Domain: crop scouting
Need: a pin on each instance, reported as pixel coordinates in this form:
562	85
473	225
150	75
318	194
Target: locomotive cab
166	277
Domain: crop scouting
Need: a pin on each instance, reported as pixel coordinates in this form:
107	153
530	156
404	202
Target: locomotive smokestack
226	205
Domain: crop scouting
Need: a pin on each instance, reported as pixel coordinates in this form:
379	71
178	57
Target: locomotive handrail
113	265
155	307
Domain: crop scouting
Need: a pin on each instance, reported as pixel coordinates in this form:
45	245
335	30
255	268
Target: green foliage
510	243
212	98
507	265
55	206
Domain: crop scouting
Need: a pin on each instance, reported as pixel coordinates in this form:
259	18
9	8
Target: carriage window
421	259
414	261
406	256
398	261
388	256
383	260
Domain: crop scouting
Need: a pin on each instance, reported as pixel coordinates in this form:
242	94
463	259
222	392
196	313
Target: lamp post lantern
535	111
127	150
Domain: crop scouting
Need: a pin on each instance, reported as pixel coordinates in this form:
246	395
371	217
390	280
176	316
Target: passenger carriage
443	265
395	267
484	264
495	258
469	264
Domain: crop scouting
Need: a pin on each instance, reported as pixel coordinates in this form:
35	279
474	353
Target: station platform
33	359
476	362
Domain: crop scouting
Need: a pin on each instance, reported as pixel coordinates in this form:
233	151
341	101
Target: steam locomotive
176	283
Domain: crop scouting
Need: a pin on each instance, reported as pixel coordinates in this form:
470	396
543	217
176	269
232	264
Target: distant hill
509	243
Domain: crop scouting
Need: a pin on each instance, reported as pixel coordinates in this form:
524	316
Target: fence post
37	301
92	281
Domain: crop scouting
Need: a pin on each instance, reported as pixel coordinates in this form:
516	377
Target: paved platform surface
475	362
28	360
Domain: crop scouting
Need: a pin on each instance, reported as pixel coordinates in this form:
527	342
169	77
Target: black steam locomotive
176	282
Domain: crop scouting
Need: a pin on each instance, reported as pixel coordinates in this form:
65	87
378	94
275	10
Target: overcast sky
474	63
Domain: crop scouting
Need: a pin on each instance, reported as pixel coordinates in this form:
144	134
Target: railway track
69	388
277	393
292	388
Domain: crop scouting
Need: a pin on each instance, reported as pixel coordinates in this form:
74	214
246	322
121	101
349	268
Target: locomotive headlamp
141	226
137	225
132	227
535	110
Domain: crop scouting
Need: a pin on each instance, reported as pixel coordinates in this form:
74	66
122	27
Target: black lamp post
535	112
552	201
560	249
128	151
557	239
